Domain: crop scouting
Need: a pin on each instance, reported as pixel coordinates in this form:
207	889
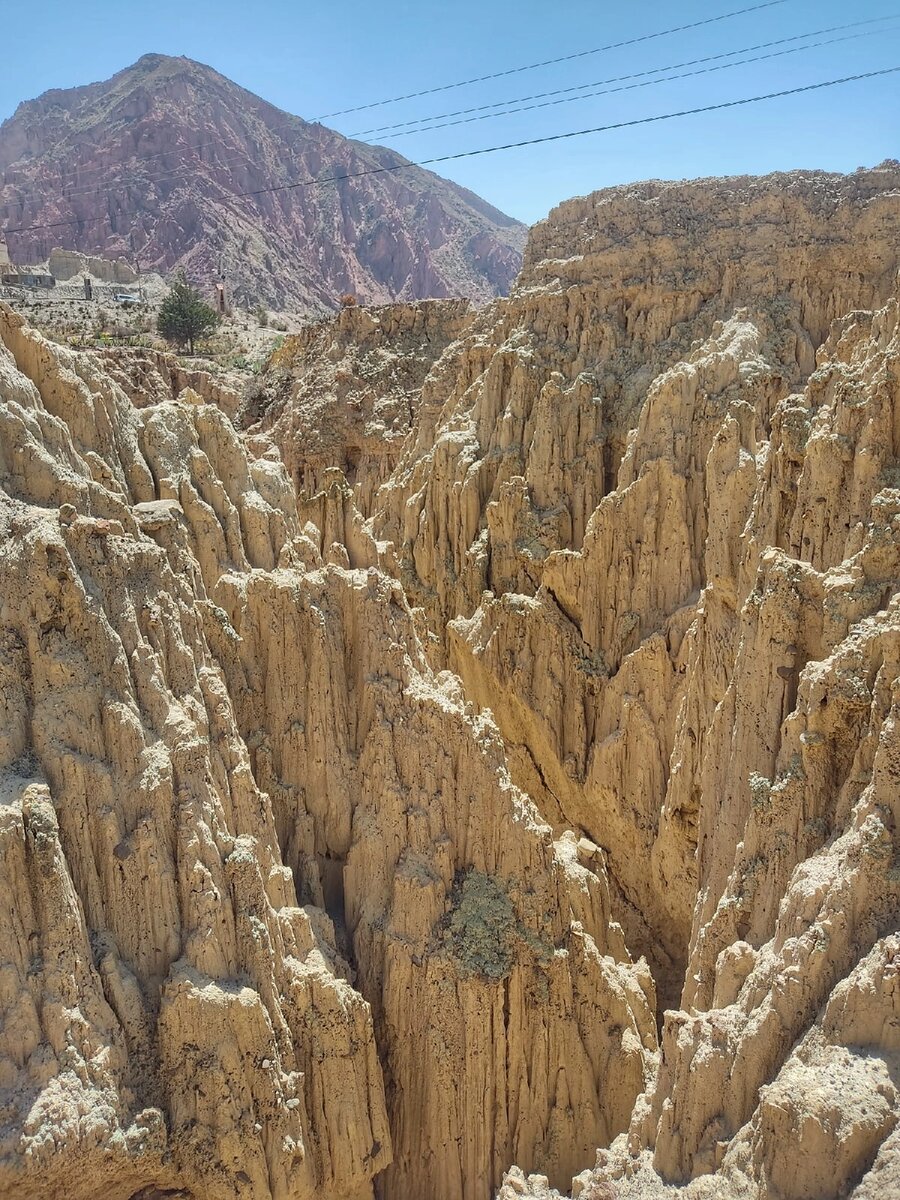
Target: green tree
184	316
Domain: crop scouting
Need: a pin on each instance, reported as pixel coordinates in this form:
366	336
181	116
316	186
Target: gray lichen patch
480	929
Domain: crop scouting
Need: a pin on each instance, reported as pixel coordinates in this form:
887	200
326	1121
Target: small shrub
760	791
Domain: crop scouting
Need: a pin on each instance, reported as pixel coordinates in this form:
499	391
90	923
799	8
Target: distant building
66	264
29	277
14	276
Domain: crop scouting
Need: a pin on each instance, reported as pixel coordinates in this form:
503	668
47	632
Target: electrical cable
555	137
627	87
517	70
549	62
70	193
580	87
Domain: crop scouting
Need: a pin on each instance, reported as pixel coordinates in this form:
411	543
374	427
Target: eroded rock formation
264	940
696	662
583	476
344	393
509	787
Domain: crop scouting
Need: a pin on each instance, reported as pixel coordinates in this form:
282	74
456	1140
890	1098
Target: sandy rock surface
474	770
244	890
344	393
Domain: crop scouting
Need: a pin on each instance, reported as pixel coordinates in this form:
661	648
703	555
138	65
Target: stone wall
66	264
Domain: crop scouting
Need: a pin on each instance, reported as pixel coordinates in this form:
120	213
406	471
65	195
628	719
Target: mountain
155	164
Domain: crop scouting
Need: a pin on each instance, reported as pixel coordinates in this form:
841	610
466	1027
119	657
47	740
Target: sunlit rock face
502	797
343	393
281	923
649	511
579	510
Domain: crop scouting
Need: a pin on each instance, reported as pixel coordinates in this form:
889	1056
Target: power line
580	87
627	87
73	189
554	137
549	62
144	158
70	191
89	168
497	75
178	172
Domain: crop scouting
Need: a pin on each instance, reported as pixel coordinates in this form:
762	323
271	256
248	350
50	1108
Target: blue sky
312	59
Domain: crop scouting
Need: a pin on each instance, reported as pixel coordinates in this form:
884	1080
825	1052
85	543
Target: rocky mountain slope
151	165
543	823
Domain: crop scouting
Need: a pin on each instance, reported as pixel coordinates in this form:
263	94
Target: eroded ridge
513	800
280	920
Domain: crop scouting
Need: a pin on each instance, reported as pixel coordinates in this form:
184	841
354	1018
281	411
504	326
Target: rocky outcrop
163	165
580	473
152	376
531	831
66	264
170	1015
798	894
233	857
343	394
523	433
653	525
